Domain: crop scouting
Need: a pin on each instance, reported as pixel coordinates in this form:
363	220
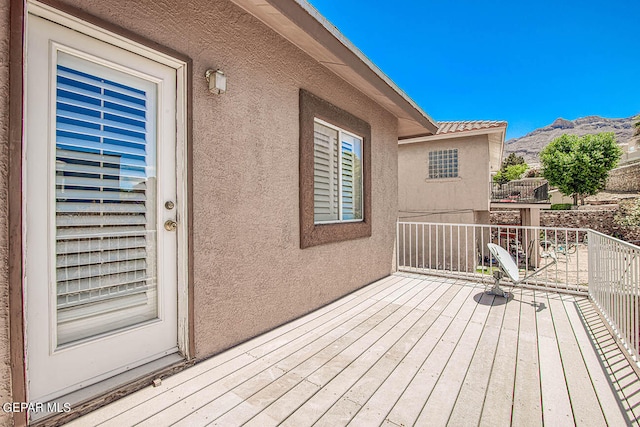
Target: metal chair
508	267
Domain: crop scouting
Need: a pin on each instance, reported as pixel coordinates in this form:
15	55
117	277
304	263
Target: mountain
529	146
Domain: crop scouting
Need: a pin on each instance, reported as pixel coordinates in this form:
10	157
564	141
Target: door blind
105	198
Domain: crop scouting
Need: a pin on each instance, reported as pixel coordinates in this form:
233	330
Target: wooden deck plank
442	399
407	349
422	373
290	401
611	408
315	407
584	402
556	407
613	361
280	410
203	389
369	354
236	357
526	395
212	401
467	409
498	400
406	369
363	378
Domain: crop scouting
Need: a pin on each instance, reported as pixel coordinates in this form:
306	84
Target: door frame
102	30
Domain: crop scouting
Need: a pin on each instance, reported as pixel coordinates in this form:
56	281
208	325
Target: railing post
397	246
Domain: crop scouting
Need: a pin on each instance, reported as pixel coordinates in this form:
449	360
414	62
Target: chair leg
496	289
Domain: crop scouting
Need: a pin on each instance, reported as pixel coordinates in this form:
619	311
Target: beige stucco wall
457	200
5	383
250	274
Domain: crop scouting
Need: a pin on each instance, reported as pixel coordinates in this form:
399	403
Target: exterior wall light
217	81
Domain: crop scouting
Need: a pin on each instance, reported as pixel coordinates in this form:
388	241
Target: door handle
170	225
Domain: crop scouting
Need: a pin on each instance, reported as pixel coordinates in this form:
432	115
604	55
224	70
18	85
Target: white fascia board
342	39
452	135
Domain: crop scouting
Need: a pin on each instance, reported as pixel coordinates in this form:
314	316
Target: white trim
339	142
461	134
52	14
51	192
182	206
178	69
338	221
337	128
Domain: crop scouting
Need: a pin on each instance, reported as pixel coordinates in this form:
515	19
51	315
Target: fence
588	263
461	249
614	286
520	191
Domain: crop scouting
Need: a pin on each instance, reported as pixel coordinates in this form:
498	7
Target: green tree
579	166
512	160
513	167
510	173
637	124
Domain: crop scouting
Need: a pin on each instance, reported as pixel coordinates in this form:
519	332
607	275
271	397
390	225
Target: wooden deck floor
407	350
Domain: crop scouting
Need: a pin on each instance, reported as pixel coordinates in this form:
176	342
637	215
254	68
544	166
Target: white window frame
361	139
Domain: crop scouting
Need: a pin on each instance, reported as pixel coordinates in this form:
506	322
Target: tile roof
456	127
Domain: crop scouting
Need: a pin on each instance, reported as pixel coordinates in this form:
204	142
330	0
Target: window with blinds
337	174
105	199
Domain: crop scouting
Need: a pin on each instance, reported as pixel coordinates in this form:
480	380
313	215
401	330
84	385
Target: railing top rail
527	227
618	241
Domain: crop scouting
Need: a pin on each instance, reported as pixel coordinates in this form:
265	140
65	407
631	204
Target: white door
99	184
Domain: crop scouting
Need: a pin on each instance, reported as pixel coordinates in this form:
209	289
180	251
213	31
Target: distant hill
529	146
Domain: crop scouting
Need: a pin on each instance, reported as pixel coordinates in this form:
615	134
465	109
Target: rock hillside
529	146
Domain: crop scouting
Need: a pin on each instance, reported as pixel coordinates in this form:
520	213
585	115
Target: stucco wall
250	274
450	199
5	383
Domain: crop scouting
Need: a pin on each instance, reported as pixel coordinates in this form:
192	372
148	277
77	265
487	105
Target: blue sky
524	62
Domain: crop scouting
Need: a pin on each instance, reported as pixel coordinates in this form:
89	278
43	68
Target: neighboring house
631	150
556	197
154	217
446	177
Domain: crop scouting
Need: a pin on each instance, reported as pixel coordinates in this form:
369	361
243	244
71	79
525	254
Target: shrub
561	206
628	213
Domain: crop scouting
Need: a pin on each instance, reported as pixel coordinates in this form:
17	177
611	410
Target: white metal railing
588	263
614	286
461	249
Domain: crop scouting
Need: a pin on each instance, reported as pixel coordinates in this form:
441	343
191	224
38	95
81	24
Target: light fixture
217	81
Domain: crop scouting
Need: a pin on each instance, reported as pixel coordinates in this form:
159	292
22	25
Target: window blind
337	175
325	179
105	220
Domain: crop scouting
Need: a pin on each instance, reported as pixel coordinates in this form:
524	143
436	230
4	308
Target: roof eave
459	134
305	27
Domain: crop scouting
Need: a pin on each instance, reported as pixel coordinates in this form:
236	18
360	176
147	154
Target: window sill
456	179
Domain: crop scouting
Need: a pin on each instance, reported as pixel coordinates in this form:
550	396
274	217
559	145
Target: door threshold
90	398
